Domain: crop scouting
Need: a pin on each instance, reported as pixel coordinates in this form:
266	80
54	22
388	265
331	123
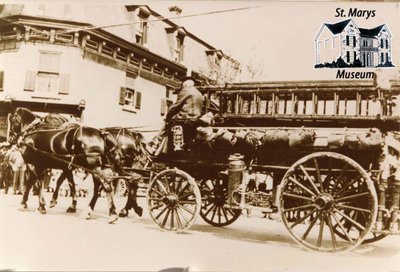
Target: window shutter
138	103
64	84
387	43
1	80
347	40
354	40
30	81
122	96
163	106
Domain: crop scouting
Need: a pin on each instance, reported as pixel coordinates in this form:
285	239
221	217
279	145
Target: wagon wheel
319	198
215	195
121	188
174	200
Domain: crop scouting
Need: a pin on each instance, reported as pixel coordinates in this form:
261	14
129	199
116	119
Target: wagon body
325	154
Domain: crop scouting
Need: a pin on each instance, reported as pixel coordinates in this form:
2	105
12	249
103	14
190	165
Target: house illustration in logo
344	44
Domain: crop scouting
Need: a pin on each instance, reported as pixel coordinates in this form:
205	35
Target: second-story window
49	72
129	97
166	102
179	47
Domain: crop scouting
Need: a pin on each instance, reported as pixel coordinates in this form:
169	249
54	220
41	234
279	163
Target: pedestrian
19	167
6	174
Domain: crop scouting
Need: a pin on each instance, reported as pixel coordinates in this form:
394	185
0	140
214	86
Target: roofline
40	21
325	25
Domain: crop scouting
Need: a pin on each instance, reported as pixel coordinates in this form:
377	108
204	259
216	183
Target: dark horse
133	156
77	147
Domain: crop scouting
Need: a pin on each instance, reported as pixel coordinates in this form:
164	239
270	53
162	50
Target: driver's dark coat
189	104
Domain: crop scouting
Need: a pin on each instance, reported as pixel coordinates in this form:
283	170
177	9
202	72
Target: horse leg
30	179
125	211
39	187
71	183
113	216
131	202
96	185
60	180
133	198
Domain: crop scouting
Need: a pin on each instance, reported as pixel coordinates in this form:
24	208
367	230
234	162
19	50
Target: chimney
175	12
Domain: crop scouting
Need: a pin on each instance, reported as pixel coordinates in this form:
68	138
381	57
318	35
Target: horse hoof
123	213
42	210
86	214
23	207
53	203
71	210
139	211
112	218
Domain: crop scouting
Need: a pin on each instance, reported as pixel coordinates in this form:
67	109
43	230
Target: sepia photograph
197	135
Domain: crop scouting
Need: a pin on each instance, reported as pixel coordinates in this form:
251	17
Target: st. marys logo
345	45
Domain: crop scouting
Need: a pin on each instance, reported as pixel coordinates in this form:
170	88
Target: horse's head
20	119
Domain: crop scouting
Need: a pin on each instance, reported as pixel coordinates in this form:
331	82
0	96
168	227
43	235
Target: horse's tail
112	151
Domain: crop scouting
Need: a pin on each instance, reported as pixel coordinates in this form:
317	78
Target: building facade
108	65
344	43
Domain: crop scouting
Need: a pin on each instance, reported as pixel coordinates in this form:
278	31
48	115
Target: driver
188	104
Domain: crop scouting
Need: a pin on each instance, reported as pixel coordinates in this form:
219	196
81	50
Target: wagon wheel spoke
301	186
310	227
309	179
297	196
163	211
353	196
178	219
166	217
158	192
178	185
355	223
300	220
342	228
342	171
167	183
160	185
332	232
318	173
172	218
225	214
299	208
345	186
352	208
321	229
157	207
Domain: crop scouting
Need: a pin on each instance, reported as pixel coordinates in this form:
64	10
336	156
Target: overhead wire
161	18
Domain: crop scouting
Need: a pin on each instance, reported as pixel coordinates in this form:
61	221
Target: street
61	241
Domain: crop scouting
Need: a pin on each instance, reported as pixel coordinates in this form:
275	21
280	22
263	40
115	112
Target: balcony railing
368	48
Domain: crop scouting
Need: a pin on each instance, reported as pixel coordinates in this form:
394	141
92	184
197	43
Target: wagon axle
324	202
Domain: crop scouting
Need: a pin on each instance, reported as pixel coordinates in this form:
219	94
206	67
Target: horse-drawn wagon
325	155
